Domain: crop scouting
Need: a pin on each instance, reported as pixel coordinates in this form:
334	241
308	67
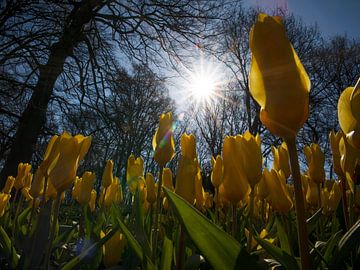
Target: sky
334	17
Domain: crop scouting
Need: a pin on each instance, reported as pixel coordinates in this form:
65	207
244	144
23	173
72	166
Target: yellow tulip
187	169
316	160
52	150
4	200
113	194
163	141
26	194
250	149
9	184
350	157
277	79
312	197
51	192
281	159
92	200
37	185
234	180
150	185
62	170
167	179
84	187
199	191
279	197
334	143
23	170
262	190
217	171
349	114
134	172
330	197
113	249
107	177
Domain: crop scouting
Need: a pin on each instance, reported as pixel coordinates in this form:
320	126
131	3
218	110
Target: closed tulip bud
163	141
349	114
28	180
113	194
37	185
250	149
350	157
316	160
150	185
119	192
281	159
334	143
134	172
234	180
85	185
9	184
107	177
312	194
279	197
331	197
187	169
113	249
262	190
167	179
92	200
50	155
278	80
199	191
23	170
62	171
217	172
4	200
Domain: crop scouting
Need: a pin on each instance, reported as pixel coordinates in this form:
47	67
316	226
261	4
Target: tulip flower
217	171
23	170
113	249
279	197
9	184
167	179
83	187
281	159
331	196
315	159
234	179
52	150
187	168
250	149
113	194
349	114
107	177
4	200
92	200
163	141
199	191
262	190
334	143
134	172
150	185
278	80
350	157
26	194
312	197
62	170
37	185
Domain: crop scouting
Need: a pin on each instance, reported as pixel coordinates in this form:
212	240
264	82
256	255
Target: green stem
179	261
344	203
234	220
31	216
299	204
251	210
157	210
52	231
17	212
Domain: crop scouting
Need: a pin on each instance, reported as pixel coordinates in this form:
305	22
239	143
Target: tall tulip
107	177
9	184
316	160
150	185
163	141
217	171
23	170
113	249
281	159
4	200
134	172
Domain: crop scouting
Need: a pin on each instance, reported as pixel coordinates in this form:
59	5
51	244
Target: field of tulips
283	217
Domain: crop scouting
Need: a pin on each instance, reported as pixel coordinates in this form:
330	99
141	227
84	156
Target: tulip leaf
278	254
219	248
283	238
313	220
167	252
135	246
330	246
346	245
7	248
83	256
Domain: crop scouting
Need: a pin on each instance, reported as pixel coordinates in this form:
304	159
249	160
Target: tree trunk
34	116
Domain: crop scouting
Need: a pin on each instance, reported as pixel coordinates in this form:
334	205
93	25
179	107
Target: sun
202	87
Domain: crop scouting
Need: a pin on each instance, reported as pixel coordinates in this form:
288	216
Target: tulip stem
251	210
31	216
299	203
52	231
344	203
179	261
234	220
157	210
17	212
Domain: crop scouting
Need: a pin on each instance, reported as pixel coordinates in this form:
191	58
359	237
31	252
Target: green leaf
330	246
278	254
313	220
283	238
346	245
218	247
7	248
83	256
167	252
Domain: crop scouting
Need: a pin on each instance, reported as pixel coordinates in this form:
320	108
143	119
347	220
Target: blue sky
332	16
